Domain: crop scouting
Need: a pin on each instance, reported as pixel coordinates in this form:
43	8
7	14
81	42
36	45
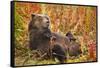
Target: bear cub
58	51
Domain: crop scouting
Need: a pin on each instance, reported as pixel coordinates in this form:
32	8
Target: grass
19	61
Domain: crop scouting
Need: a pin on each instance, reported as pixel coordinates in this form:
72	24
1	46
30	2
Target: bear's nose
47	22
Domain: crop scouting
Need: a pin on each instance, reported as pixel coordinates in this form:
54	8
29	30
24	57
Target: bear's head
39	21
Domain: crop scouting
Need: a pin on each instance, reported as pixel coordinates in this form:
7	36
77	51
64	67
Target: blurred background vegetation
80	20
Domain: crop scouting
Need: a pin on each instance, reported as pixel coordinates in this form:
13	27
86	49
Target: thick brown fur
39	33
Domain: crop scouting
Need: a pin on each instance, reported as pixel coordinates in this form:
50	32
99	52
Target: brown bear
39	33
58	51
74	48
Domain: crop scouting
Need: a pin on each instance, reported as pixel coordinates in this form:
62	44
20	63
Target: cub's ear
33	15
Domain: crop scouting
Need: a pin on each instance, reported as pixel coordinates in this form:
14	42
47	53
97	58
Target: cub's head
39	21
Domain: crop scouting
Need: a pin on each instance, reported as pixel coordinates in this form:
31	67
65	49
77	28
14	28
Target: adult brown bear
39	33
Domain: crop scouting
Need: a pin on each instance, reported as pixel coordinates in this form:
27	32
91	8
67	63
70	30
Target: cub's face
40	21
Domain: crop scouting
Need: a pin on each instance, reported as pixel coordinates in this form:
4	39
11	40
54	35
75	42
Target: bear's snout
48	21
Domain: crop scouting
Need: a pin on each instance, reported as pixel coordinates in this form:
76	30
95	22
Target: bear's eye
40	17
47	18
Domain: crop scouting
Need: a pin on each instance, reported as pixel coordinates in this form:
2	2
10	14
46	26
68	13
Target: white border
5	34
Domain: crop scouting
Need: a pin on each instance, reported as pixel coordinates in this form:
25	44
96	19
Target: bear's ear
33	15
